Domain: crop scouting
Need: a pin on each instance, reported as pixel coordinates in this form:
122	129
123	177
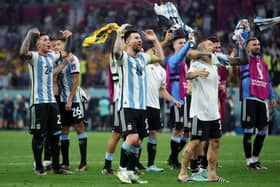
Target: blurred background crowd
207	17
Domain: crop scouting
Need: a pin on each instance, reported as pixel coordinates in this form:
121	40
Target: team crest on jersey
199	133
38	126
73	66
248	118
129	126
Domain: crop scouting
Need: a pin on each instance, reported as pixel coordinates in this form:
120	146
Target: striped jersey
132	80
41	76
65	81
156	77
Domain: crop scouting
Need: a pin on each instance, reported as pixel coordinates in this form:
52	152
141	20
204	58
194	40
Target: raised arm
118	42
68	42
24	49
151	36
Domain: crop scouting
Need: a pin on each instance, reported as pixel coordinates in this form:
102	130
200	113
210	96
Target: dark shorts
75	116
44	119
115	120
134	121
254	114
153	117
205	130
179	117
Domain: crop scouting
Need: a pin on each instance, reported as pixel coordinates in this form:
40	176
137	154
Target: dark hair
128	33
179	33
213	39
251	39
60	39
36	37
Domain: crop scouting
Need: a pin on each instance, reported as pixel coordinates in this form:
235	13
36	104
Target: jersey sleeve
75	65
195	67
163	81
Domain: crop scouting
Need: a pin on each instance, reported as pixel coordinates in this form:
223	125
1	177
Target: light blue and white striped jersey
132	80
65	81
41	76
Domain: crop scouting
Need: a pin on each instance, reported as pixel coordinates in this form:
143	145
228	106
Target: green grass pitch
16	163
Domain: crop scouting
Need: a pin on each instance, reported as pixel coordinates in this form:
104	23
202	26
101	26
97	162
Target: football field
16	162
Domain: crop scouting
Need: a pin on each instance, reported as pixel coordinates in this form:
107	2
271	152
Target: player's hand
123	27
177	104
203	73
273	102
69	58
66	33
150	35
34	31
68	106
168	36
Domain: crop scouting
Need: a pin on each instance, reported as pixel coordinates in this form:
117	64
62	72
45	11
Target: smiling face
43	44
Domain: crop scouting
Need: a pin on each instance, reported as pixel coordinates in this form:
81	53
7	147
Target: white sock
248	161
255	159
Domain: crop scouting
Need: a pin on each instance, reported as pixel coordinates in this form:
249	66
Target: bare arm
75	84
118	42
164	93
24	49
202	73
60	67
68	43
239	61
151	36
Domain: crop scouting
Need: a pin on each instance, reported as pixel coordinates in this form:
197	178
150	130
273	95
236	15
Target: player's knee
215	143
116	136
80	128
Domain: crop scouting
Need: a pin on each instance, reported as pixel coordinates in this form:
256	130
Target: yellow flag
101	35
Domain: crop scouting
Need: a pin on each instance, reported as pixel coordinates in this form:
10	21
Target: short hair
251	39
128	33
213	39
36	37
178	34
60	39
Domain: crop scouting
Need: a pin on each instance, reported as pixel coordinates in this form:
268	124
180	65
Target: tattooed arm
24	50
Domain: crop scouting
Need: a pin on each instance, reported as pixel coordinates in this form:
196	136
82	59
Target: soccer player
204	109
255	90
176	69
71	109
113	77
132	100
45	117
156	77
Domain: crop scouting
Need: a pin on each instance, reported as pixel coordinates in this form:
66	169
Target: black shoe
40	172
140	166
62	171
253	166
176	166
258	164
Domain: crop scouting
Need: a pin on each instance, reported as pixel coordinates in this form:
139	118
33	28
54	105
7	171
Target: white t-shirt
204	103
156	79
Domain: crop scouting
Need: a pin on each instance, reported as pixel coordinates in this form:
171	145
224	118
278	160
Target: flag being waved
170	12
265	23
101	35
